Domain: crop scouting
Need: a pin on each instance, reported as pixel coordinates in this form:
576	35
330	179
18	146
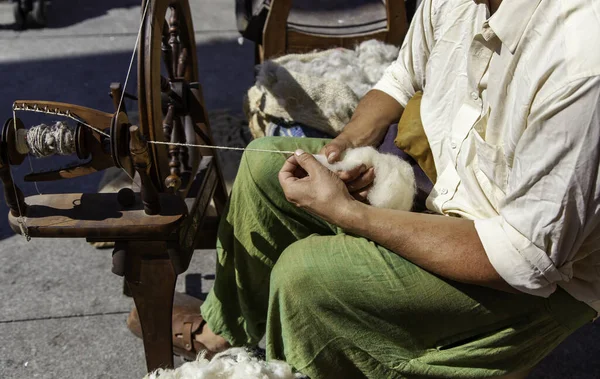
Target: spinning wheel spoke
167	51
182	63
184	155
168	123
165	84
176	135
174	41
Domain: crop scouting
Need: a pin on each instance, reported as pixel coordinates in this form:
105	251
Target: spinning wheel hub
177	95
119	143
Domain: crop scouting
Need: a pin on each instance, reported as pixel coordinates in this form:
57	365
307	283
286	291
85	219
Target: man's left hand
309	185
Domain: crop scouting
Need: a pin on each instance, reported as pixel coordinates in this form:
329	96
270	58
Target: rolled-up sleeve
553	195
403	78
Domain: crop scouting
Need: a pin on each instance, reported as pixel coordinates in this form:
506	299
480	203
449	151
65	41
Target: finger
353	174
362	182
361	196
333	151
309	163
289	168
290	183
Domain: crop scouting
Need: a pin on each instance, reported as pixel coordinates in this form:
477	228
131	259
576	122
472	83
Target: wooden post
275	31
141	161
397	23
151	280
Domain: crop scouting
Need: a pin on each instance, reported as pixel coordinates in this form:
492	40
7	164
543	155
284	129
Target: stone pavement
62	313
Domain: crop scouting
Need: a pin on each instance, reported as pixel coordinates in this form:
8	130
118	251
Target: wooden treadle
98	216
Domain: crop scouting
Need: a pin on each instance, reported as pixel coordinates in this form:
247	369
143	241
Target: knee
266	143
261	166
300	273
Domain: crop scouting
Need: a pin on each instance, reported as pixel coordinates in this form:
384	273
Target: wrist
351	214
364	132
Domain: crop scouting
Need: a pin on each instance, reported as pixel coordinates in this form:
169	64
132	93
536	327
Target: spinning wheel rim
149	79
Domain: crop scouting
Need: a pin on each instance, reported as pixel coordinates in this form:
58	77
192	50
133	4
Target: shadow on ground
64	13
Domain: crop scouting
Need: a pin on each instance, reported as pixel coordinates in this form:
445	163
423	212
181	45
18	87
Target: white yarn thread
47	140
220	147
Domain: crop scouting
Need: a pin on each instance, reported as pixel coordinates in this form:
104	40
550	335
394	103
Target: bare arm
372	117
449	247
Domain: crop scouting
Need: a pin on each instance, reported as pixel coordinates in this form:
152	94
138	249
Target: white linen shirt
511	109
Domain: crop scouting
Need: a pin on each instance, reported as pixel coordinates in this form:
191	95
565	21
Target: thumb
308	162
332	151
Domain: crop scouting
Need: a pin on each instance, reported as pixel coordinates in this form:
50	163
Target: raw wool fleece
319	89
235	363
394	186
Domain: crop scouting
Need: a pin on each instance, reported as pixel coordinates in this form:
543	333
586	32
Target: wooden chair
303	26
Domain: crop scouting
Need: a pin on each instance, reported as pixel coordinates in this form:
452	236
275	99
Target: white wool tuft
319	89
394	186
235	363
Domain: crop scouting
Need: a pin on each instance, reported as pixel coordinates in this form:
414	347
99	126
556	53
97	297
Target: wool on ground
235	363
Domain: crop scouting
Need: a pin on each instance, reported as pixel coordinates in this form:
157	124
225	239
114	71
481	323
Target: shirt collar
511	19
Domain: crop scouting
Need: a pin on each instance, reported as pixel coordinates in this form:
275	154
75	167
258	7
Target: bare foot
213	342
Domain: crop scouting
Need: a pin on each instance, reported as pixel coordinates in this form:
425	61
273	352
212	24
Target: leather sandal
186	322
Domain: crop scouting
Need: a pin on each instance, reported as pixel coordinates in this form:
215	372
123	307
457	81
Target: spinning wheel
154	231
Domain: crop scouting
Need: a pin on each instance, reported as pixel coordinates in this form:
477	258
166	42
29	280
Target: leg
341	306
151	280
258	224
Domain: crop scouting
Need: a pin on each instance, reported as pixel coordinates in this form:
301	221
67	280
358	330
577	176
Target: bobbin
92	139
17	147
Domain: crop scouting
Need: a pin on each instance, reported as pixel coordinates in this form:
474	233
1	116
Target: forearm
372	117
447	246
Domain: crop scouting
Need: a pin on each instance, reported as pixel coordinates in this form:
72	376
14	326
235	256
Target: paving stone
59	278
80	347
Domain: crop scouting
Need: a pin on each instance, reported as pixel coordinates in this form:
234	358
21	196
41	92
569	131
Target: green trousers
334	305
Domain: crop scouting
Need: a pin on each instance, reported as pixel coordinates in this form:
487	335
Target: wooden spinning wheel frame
154	231
172	43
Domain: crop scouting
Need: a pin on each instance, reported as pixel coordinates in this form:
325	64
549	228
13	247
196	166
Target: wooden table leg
151	280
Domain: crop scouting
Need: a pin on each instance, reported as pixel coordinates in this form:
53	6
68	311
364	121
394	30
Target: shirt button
444	191
474	96
453	145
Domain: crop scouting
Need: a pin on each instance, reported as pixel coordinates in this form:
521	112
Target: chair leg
151	279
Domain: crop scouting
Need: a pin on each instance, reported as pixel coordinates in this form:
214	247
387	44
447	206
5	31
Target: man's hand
358	180
309	185
334	149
